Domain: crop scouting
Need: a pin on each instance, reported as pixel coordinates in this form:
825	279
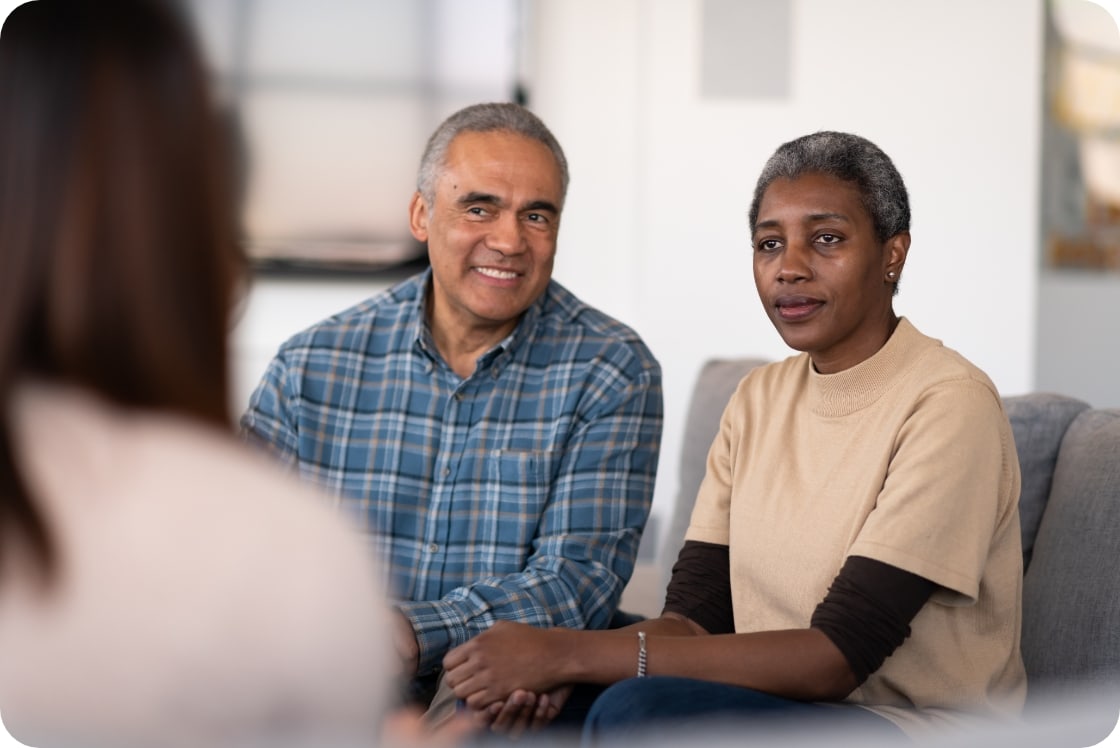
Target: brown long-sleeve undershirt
866	612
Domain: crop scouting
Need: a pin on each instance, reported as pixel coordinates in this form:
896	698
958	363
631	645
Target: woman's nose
796	262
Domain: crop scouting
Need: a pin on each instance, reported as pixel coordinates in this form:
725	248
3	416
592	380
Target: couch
1069	455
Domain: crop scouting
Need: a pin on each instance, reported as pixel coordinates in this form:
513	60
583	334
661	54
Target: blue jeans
661	708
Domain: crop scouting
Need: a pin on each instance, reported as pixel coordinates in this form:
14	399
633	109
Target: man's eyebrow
541	205
471	198
478	197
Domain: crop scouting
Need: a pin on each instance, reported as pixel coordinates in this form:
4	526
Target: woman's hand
507	658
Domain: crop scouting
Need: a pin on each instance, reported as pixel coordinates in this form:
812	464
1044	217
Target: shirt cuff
435	633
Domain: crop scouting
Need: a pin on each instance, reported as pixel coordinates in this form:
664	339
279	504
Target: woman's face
821	273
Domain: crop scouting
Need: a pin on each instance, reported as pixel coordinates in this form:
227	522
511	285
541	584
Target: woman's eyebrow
827	217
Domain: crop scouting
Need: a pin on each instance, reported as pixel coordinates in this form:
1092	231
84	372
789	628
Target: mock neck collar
855	388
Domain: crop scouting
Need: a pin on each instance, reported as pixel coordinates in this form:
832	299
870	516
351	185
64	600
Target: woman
158	584
855	542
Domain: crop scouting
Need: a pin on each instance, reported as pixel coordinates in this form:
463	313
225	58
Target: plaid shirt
519	493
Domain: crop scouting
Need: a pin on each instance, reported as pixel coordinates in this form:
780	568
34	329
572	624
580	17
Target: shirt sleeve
935	516
700	588
588	534
709	519
269	421
868	610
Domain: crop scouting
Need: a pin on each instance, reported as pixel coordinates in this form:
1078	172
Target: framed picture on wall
1081	137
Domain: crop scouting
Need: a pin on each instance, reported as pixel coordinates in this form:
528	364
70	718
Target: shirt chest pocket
520	480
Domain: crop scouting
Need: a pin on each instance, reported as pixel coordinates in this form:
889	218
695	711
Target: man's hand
522	711
404	640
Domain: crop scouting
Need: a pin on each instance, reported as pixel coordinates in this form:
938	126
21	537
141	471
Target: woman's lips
795	308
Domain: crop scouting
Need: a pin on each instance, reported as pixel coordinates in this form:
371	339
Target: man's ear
418	217
897	248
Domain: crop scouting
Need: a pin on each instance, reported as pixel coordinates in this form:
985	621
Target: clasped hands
510	677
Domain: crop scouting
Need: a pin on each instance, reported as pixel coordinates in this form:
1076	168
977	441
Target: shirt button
433	547
446	472
459	396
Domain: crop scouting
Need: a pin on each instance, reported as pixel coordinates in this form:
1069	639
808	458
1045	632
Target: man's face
491	232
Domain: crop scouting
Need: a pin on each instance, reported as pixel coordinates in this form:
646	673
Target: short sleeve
949	483
711	512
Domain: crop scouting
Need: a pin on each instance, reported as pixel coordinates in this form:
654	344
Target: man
498	436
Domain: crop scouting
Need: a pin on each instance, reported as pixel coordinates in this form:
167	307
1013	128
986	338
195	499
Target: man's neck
461	343
462	353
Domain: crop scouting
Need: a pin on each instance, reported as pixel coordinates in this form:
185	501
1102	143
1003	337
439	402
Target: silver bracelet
641	654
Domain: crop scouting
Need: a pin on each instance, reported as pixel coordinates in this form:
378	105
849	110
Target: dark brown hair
117	232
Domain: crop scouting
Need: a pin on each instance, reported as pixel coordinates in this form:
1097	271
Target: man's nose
506	234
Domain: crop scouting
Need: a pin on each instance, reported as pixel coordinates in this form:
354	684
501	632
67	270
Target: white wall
655	230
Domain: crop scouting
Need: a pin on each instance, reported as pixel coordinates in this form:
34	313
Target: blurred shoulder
167	524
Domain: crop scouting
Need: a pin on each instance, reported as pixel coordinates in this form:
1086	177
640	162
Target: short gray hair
850	158
492	117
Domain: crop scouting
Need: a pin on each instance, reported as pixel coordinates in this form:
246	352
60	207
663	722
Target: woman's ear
897	247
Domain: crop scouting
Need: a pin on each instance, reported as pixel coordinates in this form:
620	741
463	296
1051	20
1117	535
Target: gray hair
494	117
852	159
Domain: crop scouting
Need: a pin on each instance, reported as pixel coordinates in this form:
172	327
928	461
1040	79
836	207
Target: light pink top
205	599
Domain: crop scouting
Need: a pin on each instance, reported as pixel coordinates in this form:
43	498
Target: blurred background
1002	115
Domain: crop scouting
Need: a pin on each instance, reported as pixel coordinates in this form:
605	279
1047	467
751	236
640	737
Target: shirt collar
421	331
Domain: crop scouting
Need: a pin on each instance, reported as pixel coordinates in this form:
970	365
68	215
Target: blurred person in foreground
160	583
853	558
501	434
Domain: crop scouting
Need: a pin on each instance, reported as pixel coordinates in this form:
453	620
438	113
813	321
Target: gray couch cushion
1039	420
713	389
1071	593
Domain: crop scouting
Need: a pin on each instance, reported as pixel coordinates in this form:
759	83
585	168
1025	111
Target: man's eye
536	218
828	238
768	245
476	211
